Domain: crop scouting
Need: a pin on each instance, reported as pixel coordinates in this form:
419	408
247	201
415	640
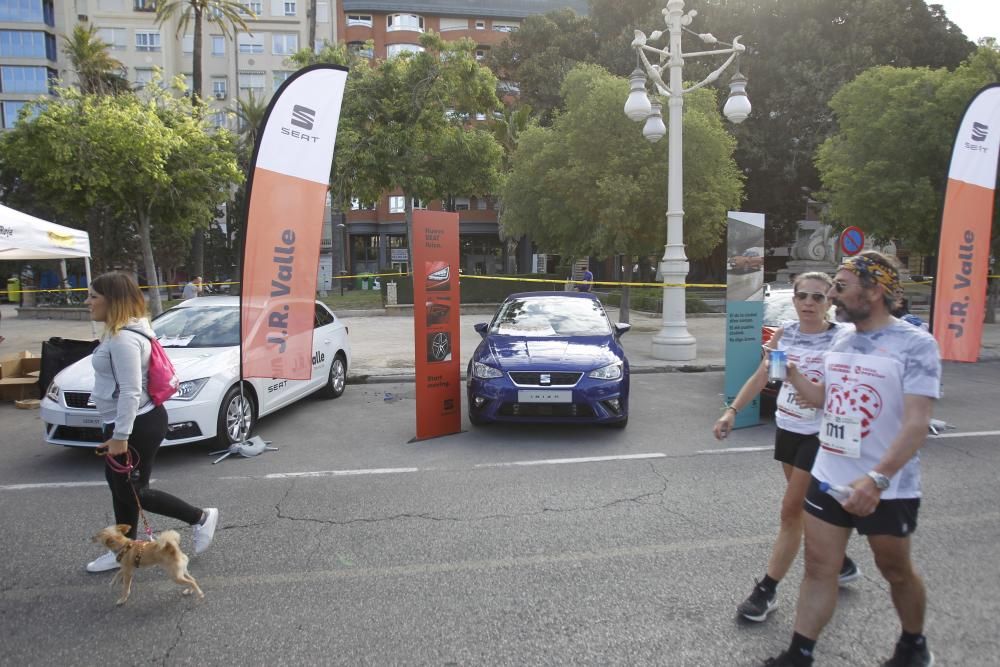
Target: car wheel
234	409
476	420
337	381
438	346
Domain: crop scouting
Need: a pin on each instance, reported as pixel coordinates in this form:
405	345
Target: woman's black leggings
148	431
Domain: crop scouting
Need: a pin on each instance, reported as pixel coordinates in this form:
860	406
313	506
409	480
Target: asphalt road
500	545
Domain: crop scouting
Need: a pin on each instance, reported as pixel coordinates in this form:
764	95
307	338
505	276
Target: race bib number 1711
841	435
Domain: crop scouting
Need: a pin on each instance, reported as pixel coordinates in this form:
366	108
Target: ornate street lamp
674	342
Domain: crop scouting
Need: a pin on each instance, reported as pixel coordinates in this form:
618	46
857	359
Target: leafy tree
96	70
886	168
399	121
149	162
592	185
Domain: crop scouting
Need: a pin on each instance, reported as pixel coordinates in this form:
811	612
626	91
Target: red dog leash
125	468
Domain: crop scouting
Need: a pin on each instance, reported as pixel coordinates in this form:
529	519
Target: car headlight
189	389
484	372
609	372
53	392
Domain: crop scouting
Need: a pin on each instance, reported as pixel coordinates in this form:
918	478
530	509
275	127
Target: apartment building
28	54
375	235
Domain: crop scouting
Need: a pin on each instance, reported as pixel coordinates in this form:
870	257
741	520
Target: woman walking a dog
131	420
796	440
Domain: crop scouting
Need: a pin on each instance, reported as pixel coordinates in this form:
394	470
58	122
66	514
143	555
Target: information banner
744	308
436	309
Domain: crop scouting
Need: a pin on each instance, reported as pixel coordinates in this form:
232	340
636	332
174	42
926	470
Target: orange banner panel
436	322
281	256
963	264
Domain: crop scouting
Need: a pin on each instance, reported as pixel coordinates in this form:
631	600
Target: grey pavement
382	344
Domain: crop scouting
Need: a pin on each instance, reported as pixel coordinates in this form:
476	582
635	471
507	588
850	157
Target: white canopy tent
25	237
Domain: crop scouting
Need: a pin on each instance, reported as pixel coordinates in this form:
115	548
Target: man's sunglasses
817	297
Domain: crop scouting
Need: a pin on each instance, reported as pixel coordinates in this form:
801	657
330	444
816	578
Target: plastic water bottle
838	491
777	369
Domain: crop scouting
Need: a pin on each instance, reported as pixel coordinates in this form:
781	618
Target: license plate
544	396
83	420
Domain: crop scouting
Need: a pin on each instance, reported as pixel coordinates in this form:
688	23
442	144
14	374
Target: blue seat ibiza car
549	357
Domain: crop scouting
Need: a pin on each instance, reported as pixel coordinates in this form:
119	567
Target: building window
397	204
21	11
359	19
251	7
395	49
404	22
279	77
358	205
14	79
364	247
22	44
361	49
219	88
289	8
454	24
218	45
189	82
116	38
322	12
284	43
11	109
143	76
461	203
481	54
187	45
145	5
147	40
251	43
480	25
252	82
220	119
505	26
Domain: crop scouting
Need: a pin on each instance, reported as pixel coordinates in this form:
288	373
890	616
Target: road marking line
735	450
586	459
339	473
973	434
48	485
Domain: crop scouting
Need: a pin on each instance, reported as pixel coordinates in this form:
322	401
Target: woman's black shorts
796	449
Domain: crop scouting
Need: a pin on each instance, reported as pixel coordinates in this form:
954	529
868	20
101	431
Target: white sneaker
203	533
104	563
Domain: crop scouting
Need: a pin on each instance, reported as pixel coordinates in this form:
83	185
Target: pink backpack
161	379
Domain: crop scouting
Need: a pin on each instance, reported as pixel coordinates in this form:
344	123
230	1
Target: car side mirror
481	328
621	328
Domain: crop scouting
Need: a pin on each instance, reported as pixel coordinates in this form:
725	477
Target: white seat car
201	337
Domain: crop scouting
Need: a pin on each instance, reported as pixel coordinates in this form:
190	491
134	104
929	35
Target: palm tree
97	72
227	14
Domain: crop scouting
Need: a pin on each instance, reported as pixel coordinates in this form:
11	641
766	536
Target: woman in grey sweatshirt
131	420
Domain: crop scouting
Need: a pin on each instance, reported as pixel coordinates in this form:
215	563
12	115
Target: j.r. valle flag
288	181
963	255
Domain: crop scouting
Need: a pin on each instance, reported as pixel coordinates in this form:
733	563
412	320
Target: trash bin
364	282
13	290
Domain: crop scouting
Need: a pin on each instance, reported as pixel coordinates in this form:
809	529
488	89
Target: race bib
787	403
841	435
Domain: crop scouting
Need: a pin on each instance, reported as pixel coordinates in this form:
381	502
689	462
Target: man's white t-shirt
190	291
867	374
805	350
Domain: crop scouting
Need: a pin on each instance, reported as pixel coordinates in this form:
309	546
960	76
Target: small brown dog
165	551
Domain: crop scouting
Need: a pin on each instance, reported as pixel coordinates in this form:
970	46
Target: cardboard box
15	381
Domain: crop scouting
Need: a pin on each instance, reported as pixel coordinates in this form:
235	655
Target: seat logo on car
544	378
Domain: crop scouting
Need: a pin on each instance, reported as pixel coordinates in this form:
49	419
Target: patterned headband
881	272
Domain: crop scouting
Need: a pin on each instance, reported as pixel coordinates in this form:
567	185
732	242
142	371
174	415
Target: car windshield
547	317
212	326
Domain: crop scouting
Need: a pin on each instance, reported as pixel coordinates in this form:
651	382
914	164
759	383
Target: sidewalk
382	345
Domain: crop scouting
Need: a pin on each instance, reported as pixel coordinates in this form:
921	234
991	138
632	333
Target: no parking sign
852	240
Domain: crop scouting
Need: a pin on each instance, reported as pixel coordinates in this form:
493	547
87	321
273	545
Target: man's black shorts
796	449
896	517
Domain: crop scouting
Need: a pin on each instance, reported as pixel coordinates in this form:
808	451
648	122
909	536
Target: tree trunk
155	305
197	94
992	299
311	15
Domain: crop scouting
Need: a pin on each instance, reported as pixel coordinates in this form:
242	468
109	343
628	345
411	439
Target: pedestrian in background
130	419
878	390
796	439
587	283
192	289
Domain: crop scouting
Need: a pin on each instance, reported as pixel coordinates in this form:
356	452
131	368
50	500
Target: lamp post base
674	343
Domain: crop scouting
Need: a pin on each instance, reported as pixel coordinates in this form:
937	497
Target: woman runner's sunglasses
817	297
